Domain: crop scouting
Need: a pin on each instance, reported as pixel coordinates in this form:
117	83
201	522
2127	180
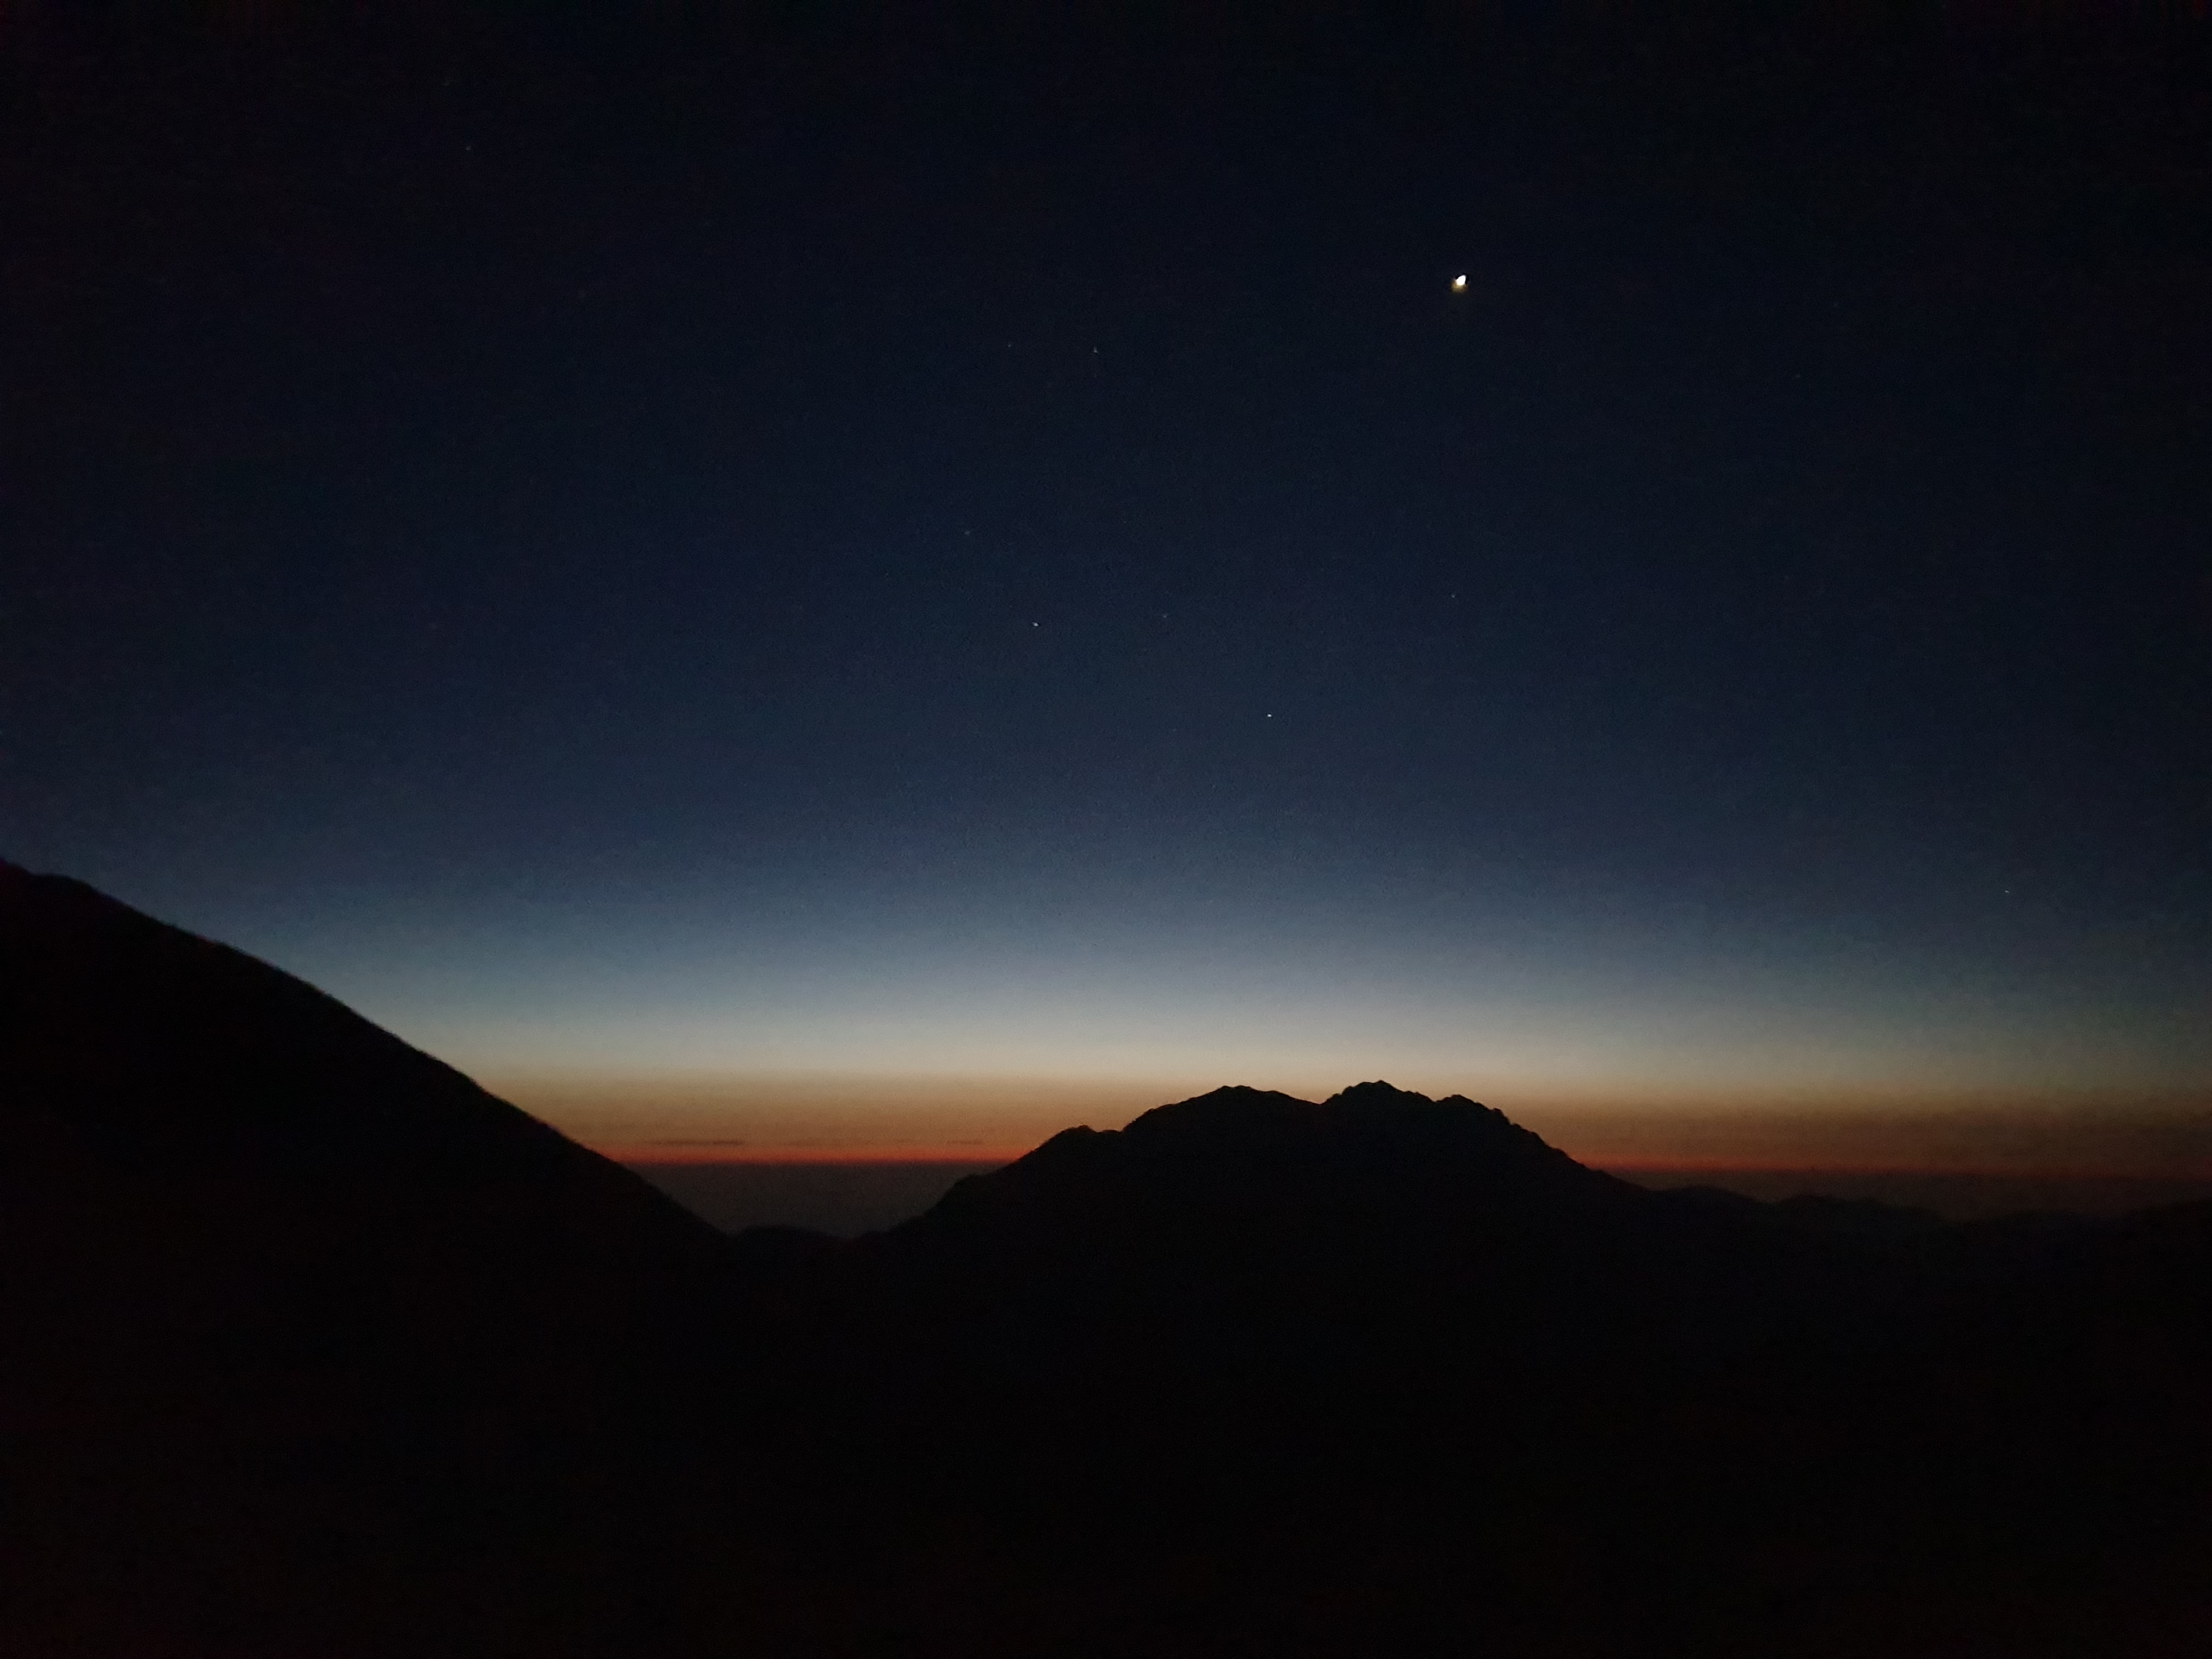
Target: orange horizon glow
952	1120
1839	1167
803	1156
798	1156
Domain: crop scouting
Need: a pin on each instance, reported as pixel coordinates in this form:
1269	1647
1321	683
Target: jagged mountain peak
1376	1094
1232	1110
1373	1116
1236	1147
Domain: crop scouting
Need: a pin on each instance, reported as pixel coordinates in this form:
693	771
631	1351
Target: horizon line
689	1154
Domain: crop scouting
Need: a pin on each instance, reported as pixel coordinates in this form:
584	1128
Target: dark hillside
1261	1370
301	1330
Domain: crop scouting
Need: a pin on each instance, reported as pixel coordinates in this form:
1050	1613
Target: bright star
1459	285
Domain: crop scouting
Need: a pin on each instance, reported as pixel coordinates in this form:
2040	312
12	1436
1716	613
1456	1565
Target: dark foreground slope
303	1337
310	1346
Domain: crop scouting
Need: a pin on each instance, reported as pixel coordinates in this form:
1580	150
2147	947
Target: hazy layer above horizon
826	1118
969	1002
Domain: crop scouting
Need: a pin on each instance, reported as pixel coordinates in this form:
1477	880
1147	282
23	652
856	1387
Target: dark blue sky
983	547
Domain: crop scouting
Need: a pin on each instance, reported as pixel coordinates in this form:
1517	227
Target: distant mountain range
309	1346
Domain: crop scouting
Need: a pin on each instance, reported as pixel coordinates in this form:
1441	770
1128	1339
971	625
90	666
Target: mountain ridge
150	1044
1237	1136
298	1327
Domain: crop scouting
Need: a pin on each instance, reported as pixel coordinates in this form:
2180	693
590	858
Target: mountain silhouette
1370	1374
309	1345
285	1301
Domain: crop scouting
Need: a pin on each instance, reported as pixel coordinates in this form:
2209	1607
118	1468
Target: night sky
775	576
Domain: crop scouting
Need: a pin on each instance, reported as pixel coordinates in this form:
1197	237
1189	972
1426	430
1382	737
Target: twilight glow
972	1018
806	625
